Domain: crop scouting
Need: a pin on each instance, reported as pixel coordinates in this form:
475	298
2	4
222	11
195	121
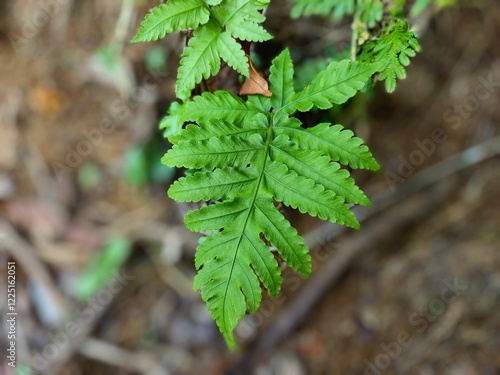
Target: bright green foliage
367	11
244	156
392	51
173	16
242	19
391	45
419	7
202	56
396	8
252	154
337	8
172	123
334	85
113	254
217	26
370	11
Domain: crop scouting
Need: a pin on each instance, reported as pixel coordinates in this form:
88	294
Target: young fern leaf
392	51
217	25
255	155
201	58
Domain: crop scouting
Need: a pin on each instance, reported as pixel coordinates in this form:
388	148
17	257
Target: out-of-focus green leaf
156	59
102	269
89	176
135	166
108	57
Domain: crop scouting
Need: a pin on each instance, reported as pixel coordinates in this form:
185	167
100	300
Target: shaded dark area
104	265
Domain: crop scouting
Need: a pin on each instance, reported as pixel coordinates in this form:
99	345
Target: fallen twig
29	262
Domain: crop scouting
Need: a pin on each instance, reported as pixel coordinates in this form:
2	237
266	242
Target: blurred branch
39	277
112	355
421	180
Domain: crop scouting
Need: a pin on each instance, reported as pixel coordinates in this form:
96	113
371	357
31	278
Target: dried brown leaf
255	84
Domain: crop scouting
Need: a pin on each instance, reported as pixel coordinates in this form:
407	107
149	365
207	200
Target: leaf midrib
250	209
236	134
219	184
205	153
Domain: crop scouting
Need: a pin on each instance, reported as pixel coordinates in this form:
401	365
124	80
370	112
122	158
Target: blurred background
104	265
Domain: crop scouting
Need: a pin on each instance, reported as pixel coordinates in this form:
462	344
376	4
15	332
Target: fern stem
354	36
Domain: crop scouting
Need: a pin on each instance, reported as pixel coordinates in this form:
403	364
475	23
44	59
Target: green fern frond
254	154
201	58
392	51
218	26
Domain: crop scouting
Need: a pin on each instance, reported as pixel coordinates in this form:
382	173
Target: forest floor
415	291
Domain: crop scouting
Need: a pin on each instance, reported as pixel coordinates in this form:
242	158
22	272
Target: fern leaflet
334	85
242	19
171	17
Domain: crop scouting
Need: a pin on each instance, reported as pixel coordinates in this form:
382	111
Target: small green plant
393	50
245	153
217	26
